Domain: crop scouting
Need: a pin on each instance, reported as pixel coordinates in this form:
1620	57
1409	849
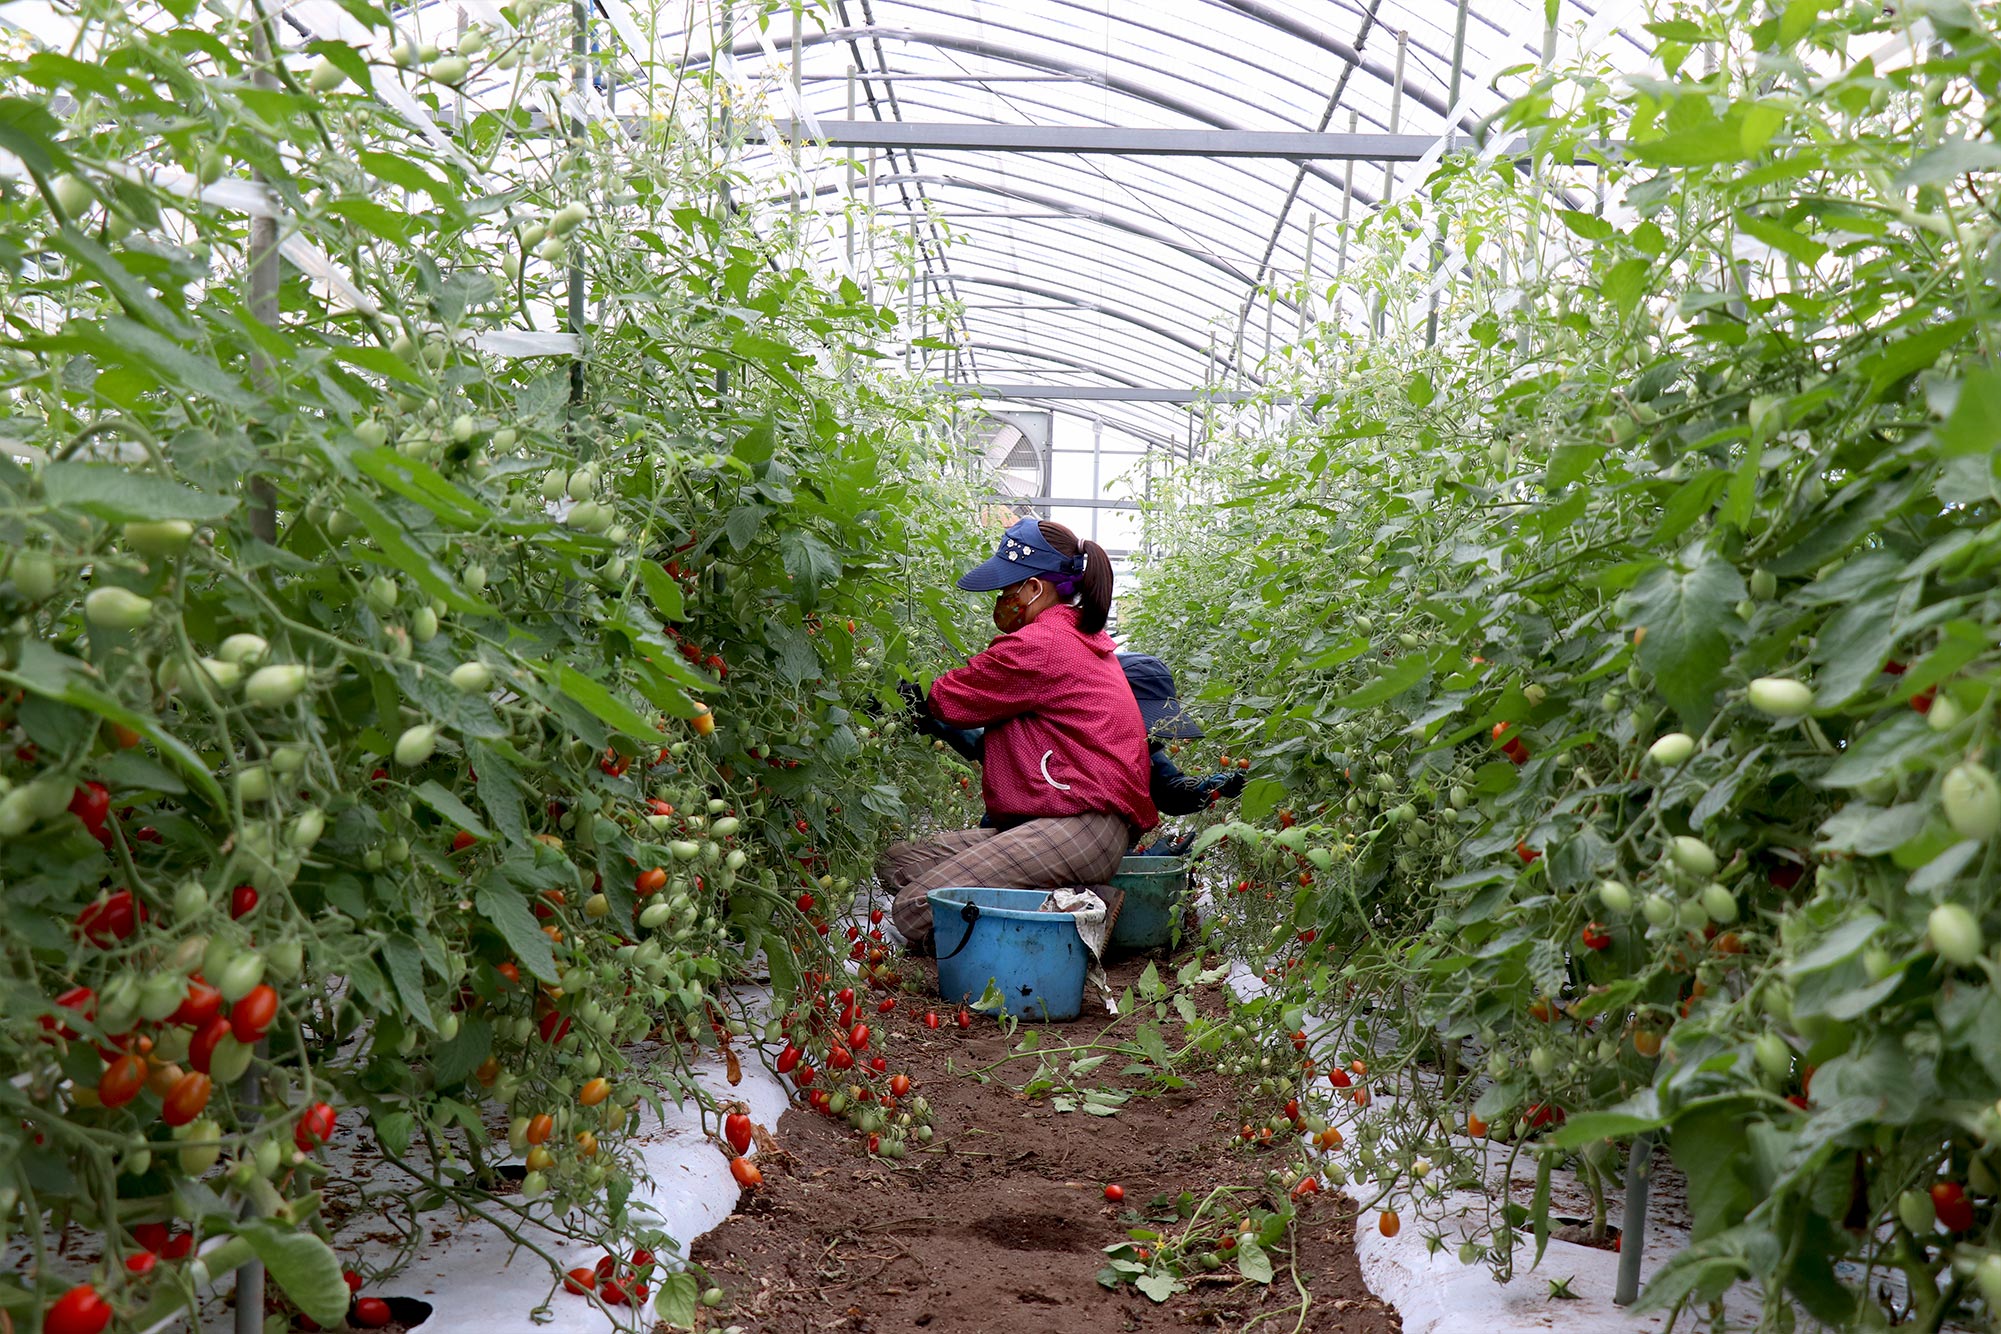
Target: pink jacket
1064	735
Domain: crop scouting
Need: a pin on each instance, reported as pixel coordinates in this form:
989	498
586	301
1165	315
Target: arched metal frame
1130	270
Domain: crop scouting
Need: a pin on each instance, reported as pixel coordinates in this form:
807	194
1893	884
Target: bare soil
999	1226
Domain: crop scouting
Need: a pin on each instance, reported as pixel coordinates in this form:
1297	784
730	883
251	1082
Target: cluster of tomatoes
613	1281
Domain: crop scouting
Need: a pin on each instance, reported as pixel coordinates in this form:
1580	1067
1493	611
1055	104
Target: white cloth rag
1088	911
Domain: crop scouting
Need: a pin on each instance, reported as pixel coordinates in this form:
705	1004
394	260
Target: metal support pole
1306	274
1379	315
850	210
1097	462
1451	110
264	308
579	35
871	226
1633	1228
910	299
723	179
798	150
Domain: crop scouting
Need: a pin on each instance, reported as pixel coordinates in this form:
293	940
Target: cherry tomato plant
399	723
1625	667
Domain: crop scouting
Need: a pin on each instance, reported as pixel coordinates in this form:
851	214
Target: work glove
1231	786
913	697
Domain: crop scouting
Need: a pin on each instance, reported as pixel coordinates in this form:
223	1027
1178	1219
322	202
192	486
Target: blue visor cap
1022	555
1159	707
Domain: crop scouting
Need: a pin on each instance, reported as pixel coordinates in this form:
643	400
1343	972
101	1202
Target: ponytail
1092	584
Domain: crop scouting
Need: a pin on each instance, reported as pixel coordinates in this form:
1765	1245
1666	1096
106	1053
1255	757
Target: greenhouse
871	665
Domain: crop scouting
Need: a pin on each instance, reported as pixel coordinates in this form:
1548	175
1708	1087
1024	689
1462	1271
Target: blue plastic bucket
1153	888
1035	958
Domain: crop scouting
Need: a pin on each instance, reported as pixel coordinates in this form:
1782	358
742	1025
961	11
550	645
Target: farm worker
1160	708
1065	769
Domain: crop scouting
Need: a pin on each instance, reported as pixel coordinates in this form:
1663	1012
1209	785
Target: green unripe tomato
1971	798
568	218
1719	903
381	593
274	687
34	574
1543	1062
159	538
1764	585
190	901
1672	750
306	829
284	958
201	1146
253	784
1615	896
116	609
416	745
240	976
1774	1056
326	76
1692	855
1780	697
1917	1213
423	625
1954	932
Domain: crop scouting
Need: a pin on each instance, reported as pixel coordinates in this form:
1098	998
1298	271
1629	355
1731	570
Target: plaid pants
1040	854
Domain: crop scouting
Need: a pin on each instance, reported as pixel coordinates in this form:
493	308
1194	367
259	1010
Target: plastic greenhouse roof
1094	270
1138	271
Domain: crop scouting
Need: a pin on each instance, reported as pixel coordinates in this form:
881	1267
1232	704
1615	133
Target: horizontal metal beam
1299	145
1060	502
1105	393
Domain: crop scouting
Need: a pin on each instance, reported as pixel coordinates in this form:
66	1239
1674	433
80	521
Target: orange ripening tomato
594	1091
540	1127
1475	1126
1388	1223
121	1081
1647	1042
186	1099
650	882
703	722
746	1173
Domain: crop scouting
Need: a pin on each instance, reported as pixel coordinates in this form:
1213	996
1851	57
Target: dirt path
999	1226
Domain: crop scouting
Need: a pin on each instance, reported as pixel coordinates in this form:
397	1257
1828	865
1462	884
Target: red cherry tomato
186	1099
151	1236
737	1130
1954	1210
788	1058
462	840
1596	937
242	901
1115	1193
110	919
121	1081
140	1263
250	1018
80	1001
201	1047
858	1036
316	1126
371	1313
746	1173
78	1311
91	803
202	1004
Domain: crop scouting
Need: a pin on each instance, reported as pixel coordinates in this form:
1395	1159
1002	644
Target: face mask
1011	610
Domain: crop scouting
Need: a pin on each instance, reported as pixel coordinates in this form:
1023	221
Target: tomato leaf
1685	646
680	1293
400	551
606	706
53	675
663	590
1406	672
119	494
456	812
1261	797
302	1265
508	910
1252	1262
